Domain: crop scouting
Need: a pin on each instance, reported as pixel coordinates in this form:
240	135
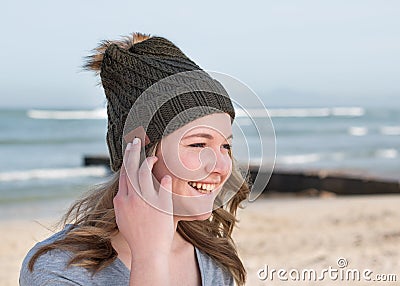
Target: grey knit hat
151	84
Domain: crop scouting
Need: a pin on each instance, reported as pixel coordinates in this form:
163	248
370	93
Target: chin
199	217
194	206
193	210
202	216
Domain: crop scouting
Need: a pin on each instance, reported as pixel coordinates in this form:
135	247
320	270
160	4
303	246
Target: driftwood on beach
284	181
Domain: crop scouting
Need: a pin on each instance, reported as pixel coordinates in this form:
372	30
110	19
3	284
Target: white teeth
203	187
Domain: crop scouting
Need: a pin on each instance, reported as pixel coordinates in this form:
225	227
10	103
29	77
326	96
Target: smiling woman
203	166
168	212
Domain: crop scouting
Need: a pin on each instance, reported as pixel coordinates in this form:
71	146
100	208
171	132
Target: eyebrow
204	135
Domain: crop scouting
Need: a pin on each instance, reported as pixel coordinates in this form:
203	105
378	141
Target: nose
216	161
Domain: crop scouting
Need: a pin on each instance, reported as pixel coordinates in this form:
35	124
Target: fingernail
135	141
152	160
128	147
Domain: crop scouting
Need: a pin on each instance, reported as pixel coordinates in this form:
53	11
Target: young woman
165	218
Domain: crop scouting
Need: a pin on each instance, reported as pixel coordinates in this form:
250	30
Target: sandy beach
289	233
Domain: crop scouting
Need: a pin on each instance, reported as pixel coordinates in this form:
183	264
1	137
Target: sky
291	53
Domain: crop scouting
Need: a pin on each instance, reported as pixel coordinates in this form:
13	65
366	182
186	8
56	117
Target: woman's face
197	158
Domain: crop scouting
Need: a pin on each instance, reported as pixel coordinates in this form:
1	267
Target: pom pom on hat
93	62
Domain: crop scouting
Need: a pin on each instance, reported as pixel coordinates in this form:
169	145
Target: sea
42	150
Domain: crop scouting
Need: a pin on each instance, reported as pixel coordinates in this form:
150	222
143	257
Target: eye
198	145
227	146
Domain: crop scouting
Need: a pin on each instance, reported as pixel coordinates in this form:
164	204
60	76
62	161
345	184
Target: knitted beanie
152	89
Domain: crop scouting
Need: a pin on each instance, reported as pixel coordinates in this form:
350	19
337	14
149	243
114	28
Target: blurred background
327	72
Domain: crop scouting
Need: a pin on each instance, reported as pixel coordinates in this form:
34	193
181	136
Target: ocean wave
48	141
299	159
250	112
347	111
303	112
390	130
387	153
67	114
49	174
357	131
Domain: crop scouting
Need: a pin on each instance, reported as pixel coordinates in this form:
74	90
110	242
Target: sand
287	233
314	233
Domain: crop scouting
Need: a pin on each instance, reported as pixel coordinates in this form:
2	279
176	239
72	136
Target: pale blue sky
343	52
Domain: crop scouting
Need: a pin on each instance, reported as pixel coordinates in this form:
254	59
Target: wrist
150	258
150	270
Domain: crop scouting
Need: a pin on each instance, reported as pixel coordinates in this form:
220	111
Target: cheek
174	168
229	163
190	160
162	168
230	168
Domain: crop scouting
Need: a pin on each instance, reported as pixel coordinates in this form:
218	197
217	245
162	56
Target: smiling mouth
203	188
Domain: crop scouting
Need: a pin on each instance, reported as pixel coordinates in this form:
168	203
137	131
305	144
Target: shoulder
52	268
212	273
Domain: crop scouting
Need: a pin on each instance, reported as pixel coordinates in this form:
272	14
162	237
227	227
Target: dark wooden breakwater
308	182
340	184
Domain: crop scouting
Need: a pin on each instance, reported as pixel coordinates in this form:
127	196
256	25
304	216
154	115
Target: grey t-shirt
51	269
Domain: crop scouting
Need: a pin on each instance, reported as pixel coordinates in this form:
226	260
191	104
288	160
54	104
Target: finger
165	195
146	177
132	164
122	186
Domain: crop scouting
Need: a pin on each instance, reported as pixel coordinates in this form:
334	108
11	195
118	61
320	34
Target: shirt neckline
126	271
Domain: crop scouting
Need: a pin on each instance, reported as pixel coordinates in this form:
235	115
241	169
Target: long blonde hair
93	224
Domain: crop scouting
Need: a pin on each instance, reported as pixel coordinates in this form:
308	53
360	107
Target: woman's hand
144	215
